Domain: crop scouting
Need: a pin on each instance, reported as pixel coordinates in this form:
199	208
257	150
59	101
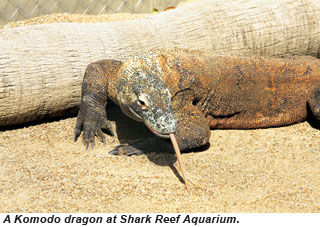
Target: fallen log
41	66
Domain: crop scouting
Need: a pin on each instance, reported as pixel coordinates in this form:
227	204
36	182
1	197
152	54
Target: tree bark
41	66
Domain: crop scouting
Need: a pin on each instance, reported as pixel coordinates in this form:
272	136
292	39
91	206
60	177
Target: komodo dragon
188	92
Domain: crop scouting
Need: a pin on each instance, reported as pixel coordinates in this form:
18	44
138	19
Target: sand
262	170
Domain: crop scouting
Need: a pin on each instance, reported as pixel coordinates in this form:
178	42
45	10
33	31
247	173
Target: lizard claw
103	140
86	144
77	129
92	145
76	135
91	127
101	136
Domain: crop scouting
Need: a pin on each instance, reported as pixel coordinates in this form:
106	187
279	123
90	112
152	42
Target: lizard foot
91	127
142	146
125	149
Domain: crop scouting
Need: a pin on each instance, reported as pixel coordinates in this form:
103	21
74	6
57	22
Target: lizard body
188	92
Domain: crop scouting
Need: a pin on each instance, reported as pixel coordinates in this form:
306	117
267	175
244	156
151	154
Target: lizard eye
143	102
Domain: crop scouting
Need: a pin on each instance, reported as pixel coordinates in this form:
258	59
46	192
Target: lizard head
143	96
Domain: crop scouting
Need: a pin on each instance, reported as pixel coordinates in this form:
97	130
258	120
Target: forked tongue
185	176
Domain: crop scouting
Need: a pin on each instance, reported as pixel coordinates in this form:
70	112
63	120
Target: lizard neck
182	69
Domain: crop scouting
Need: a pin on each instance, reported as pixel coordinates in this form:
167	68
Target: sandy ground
263	170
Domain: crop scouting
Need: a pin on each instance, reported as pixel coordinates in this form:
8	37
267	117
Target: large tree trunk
41	66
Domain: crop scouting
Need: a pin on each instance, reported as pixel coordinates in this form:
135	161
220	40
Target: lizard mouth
132	114
164	136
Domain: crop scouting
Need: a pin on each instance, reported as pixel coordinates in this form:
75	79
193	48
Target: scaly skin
193	91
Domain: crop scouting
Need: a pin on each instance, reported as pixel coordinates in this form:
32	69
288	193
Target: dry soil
263	170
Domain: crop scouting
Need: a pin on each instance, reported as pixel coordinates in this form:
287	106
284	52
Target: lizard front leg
314	101
193	129
95	92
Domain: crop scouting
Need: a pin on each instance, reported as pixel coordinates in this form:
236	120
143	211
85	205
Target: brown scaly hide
242	92
217	91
